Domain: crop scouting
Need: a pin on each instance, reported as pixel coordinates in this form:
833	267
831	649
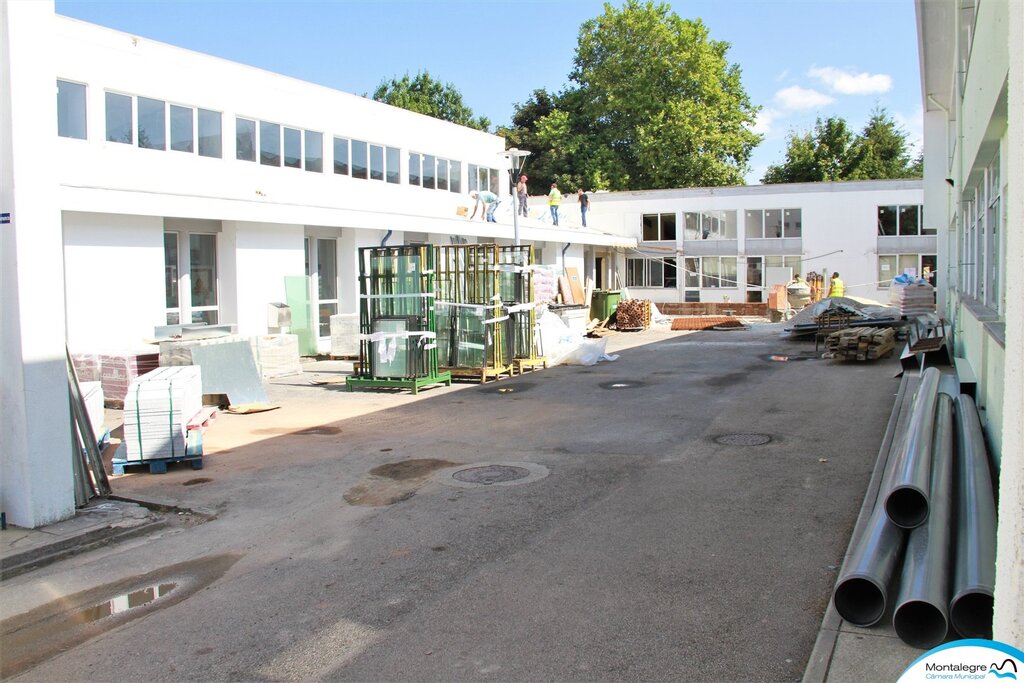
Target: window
314	151
182	139
429	168
483	178
442	174
376	162
455	176
270	144
794	262
901	220
651	272
659	227
245	140
772	223
152	124
718	271
993	218
71	110
292	148
119	118
327	283
203	276
414	168
171	277
691	276
710	225
209	134
393	165
341	156
359	160
893	265
190	278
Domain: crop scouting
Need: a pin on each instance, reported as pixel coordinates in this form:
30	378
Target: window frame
67	108
661	230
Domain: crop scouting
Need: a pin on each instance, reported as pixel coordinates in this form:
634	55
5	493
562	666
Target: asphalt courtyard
682	513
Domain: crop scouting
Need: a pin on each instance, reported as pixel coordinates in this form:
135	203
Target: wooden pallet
157	465
860	343
522	365
482	374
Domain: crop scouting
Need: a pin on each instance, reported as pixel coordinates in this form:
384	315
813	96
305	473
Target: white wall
114	269
36	481
265	253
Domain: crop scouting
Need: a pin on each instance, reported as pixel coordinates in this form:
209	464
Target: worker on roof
837	287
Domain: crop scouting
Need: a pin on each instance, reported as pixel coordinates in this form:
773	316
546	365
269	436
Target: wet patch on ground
319	430
196	481
34	637
394	482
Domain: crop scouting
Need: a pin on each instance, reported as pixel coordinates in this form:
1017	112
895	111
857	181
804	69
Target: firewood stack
860	343
633	314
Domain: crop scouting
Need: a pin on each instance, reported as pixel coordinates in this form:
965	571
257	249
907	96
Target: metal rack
397	324
473	333
516	286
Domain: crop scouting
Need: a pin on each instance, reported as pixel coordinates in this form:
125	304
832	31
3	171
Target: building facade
972	75
731	244
149	185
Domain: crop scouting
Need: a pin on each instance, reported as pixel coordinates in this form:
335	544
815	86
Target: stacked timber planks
860	343
633	314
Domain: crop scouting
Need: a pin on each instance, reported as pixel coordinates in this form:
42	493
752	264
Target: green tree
832	152
655	103
425	95
826	153
881	150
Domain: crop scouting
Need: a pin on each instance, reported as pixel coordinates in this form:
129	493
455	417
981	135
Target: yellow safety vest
555	198
838	288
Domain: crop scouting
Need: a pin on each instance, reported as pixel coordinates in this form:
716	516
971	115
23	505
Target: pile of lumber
633	314
860	343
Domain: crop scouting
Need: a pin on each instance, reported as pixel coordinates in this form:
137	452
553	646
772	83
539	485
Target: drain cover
743	439
491	474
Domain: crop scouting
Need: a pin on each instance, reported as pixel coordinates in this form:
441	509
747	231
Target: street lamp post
516	158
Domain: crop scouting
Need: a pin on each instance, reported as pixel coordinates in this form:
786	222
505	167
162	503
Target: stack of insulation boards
913	300
860	343
92	395
157	410
633	314
345	334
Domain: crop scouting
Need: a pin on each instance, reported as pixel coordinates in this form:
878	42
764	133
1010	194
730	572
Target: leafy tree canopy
425	95
832	152
654	103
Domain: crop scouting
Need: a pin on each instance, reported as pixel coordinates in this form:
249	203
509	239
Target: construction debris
860	343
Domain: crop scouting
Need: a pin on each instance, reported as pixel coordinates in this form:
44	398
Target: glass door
322	269
190	278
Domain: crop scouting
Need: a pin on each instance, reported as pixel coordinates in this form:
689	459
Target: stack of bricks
633	314
119	370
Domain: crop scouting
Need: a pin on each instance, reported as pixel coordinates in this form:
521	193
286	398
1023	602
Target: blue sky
800	58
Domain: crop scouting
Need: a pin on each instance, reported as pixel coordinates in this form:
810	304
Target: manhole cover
491	474
743	439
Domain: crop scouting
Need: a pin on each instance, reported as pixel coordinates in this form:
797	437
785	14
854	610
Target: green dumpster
604	302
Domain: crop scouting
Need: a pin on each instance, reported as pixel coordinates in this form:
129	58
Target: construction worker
837	287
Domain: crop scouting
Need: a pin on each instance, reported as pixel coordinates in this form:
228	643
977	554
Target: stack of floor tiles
157	409
913	299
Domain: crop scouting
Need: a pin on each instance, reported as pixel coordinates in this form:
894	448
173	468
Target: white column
36	481
1008	621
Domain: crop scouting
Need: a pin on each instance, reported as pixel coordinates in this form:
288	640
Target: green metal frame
397	282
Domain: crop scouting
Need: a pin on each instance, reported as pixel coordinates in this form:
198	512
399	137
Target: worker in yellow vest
837	287
554	200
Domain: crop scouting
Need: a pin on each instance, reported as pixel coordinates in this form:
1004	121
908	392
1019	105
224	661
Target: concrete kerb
819	664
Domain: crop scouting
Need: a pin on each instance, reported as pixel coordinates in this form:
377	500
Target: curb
820	661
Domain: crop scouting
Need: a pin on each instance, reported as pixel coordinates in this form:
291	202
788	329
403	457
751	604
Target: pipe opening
859	601
906	507
971	614
920	624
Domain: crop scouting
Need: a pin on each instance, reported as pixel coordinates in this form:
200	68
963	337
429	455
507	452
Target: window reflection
181	128
119	118
245	140
152	123
70	110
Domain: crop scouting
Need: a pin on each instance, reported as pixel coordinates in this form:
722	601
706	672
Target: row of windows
901	220
981	256
892	265
722	225
708	272
156	124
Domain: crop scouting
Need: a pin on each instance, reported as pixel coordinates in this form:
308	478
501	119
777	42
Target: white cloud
765	118
795	98
848	83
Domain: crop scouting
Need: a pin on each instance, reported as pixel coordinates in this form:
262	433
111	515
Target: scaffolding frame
517	295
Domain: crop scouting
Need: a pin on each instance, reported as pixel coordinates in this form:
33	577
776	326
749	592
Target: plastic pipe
906	500
974	575
921	618
862	592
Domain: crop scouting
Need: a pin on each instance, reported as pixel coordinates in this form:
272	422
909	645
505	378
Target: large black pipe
862	593
921	618
906	496
974	575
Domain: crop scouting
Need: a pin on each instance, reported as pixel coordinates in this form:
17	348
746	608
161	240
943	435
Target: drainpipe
565	249
384	241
